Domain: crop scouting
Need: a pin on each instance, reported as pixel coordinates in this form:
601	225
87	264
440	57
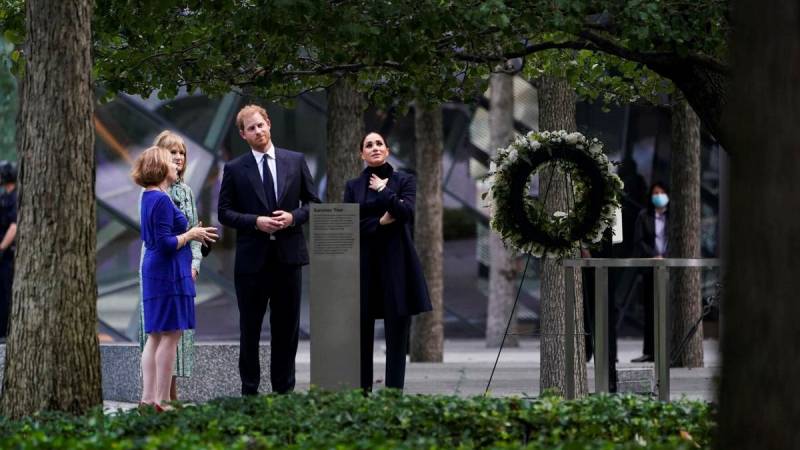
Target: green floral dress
181	195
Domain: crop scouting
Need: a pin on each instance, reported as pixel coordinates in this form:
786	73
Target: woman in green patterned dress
181	195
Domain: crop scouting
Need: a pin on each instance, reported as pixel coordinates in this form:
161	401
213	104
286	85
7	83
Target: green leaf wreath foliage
522	220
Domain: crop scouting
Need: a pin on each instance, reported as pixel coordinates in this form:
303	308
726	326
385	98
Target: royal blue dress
167	286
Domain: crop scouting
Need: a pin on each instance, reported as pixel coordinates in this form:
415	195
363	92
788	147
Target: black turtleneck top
383	171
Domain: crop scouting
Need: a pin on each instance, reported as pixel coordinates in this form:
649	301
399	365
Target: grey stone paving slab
465	371
468	364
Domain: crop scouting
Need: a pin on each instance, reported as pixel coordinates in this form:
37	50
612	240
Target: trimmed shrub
385	419
458	223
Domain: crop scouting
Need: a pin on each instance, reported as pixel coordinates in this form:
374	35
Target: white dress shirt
661	234
270	155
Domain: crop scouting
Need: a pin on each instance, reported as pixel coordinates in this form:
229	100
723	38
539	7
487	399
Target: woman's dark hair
364	138
8	172
657	184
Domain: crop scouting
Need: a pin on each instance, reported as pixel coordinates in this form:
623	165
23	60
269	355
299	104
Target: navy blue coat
387	251
644	235
242	200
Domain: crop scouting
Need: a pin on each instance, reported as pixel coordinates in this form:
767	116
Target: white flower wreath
522	221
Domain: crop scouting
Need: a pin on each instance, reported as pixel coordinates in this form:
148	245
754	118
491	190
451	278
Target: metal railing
660	284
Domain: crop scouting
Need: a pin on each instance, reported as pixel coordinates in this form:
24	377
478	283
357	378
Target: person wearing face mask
182	196
651	241
166	274
393	287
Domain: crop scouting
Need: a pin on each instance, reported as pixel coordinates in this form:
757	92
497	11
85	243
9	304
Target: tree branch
528	50
653	59
158	55
590	40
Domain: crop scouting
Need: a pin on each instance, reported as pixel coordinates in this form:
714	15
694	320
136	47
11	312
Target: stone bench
637	380
215	373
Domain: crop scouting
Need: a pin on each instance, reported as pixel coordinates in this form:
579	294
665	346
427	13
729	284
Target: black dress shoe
643	358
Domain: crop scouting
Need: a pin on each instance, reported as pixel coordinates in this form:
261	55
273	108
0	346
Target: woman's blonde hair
171	141
151	167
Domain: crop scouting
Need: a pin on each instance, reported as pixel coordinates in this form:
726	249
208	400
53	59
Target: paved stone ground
468	365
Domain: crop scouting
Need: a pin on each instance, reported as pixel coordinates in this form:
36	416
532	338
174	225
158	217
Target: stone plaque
334	296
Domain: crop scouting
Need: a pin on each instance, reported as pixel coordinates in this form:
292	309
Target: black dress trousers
276	286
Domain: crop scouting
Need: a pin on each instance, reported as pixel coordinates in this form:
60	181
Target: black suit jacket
387	251
644	235
242	200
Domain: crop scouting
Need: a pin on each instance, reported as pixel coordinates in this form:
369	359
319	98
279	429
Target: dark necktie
269	188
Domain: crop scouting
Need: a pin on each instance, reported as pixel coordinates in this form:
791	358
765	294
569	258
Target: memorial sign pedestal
335	296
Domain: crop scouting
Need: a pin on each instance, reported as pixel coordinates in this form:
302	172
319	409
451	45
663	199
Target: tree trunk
760	340
53	360
684	231
503	270
427	332
346	108
557	112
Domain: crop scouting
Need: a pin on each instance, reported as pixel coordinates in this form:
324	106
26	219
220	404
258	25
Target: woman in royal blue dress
183	197
167	286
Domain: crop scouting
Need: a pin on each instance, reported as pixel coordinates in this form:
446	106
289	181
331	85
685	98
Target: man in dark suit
651	240
265	195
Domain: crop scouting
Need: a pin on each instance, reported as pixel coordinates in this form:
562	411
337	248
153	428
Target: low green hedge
382	420
458	223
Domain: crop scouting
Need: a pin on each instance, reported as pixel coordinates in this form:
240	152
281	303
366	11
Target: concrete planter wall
215	373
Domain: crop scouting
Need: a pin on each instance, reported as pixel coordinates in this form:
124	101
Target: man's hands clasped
278	221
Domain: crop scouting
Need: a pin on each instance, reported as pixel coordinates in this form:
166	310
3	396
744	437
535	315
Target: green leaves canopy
8	104
422	49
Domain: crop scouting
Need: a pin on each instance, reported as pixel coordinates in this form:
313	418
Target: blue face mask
659	200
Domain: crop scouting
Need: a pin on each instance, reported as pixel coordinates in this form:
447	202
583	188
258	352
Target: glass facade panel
128	125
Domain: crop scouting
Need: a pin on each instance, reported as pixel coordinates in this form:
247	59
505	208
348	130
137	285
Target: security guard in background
8	232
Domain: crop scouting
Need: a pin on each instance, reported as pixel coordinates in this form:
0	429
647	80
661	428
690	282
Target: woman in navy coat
392	284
